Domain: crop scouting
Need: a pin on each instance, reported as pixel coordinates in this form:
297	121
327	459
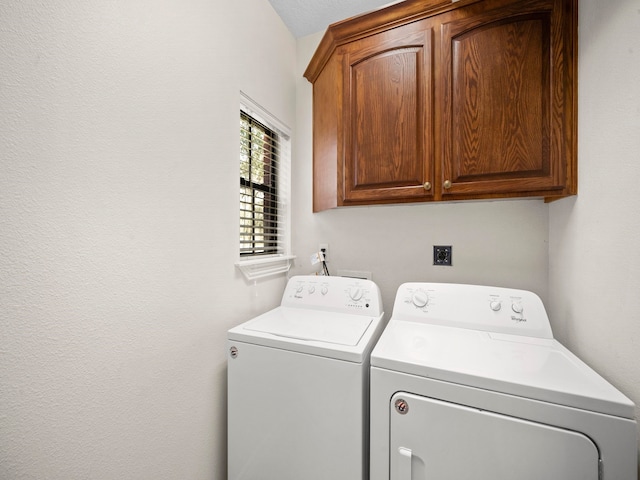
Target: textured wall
594	259
118	229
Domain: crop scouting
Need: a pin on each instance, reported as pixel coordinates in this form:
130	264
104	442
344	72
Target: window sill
263	267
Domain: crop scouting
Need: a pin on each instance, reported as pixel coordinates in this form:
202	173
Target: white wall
119	231
594	238
494	243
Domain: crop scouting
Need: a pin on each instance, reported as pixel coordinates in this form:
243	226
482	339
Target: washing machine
467	382
298	383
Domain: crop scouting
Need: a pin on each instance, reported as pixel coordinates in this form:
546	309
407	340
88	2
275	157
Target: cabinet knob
427	186
447	184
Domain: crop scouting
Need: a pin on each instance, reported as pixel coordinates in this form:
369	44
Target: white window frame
259	266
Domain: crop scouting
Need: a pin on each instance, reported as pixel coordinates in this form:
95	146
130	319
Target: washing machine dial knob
420	298
517	307
355	294
495	305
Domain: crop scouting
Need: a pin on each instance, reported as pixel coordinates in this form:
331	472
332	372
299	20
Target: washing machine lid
536	368
330	334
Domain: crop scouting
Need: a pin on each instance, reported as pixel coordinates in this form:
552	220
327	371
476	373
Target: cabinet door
388	144
506	106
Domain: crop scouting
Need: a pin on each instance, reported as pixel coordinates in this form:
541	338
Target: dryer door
431	439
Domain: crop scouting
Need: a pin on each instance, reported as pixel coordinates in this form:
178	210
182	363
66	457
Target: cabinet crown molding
370	23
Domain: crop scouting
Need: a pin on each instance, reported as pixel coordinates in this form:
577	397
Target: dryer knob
420	298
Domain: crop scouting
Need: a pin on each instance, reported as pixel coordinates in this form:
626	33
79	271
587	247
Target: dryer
298	383
467	382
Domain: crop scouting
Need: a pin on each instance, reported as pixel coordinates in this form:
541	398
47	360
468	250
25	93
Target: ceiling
304	17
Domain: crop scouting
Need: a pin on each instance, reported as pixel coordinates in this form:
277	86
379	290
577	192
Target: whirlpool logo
518	319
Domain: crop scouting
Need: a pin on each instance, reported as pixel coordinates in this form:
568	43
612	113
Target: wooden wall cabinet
427	100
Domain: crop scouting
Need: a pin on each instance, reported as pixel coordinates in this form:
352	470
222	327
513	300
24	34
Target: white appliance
467	382
298	383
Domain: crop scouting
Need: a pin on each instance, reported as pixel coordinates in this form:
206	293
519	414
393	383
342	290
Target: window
259	154
264	191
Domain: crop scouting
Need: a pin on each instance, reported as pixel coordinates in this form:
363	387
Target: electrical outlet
324	248
442	255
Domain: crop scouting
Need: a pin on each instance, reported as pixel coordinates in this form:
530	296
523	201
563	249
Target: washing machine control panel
337	294
492	309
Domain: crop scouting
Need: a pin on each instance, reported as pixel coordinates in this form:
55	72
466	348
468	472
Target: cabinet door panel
388	138
502	124
374	104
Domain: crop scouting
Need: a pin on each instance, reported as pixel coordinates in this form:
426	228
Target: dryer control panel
476	307
335	294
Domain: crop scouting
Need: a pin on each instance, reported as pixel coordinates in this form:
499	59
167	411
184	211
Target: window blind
264	185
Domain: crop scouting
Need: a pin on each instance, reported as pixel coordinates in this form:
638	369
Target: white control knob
495	305
517	307
324	290
312	289
299	289
420	298
355	294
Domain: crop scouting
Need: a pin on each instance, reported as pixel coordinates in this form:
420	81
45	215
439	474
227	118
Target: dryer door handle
404	463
